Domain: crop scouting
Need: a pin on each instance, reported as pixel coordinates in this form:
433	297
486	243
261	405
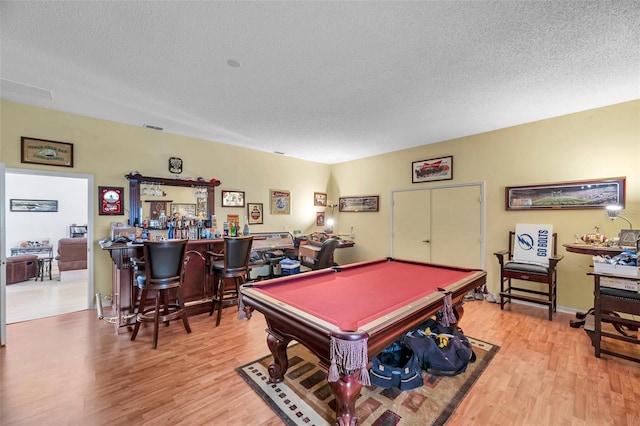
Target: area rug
305	397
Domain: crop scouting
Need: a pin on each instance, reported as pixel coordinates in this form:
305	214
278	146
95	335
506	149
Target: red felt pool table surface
363	292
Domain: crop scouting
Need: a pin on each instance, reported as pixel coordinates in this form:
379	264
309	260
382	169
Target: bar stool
233	264
162	271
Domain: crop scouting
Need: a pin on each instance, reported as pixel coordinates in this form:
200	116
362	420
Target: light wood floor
74	370
34	299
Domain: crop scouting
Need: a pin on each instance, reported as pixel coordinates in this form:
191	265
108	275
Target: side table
44	266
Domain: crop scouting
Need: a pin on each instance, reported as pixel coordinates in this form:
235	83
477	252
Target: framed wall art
255	213
42	151
21	205
431	170
585	194
110	199
232	199
280	201
319	218
366	203
320	199
185	210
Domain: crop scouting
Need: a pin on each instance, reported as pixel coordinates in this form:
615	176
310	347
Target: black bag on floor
396	366
442	351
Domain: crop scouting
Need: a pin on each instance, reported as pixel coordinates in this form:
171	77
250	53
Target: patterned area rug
305	398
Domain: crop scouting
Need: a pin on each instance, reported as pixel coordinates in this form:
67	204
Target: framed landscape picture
366	203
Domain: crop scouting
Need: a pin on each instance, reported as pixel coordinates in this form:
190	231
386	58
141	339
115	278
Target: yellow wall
593	144
110	150
599	143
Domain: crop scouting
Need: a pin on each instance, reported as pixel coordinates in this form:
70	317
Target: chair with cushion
532	256
231	264
161	272
72	254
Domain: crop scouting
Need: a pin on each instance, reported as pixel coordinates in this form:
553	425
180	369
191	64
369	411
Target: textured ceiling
323	81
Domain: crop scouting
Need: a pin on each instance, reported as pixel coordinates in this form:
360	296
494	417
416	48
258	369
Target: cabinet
78	231
609	303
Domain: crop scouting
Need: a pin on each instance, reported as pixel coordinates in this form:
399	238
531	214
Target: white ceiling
322	81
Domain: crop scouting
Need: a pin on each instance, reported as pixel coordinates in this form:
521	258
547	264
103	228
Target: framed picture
255	213
19	205
585	194
280	201
185	210
319	218
433	169
110	199
232	199
157	206
367	203
629	238
320	199
42	151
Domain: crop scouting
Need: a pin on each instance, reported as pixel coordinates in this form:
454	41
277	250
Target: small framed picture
319	218
232	198
255	213
433	169
110	200
280	201
42	151
320	199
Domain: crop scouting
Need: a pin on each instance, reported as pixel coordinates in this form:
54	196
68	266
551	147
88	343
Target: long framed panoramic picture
20	205
584	194
366	203
433	169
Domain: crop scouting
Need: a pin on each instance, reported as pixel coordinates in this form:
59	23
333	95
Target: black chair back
164	261
237	252
325	257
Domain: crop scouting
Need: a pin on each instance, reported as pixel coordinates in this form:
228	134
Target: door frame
90	300
483	197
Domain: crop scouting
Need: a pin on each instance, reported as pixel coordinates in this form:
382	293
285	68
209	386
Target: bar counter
197	288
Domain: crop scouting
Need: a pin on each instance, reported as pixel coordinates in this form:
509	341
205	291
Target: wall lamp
613	213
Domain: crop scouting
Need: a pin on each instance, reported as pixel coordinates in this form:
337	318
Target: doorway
443	224
54	293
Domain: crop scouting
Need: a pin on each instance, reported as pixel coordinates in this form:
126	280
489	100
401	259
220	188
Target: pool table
348	314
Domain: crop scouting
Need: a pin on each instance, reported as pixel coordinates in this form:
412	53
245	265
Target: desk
48	250
591	250
308	252
367	305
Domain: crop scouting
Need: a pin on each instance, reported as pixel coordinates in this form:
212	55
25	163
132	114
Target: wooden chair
517	264
161	271
232	264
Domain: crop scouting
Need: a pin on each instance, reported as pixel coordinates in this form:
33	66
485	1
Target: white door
411	225
439	225
456	226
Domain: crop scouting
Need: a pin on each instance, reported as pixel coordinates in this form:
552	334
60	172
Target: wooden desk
593	250
308	252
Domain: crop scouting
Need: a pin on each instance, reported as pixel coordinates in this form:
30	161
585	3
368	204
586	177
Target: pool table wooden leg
346	391
278	347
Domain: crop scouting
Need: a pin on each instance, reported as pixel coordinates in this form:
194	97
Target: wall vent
149	126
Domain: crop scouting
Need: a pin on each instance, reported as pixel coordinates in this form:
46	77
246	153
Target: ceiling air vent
149	126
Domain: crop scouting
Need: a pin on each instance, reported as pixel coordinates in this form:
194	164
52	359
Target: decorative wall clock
110	199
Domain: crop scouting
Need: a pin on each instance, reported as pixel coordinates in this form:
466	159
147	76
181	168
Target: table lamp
613	213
